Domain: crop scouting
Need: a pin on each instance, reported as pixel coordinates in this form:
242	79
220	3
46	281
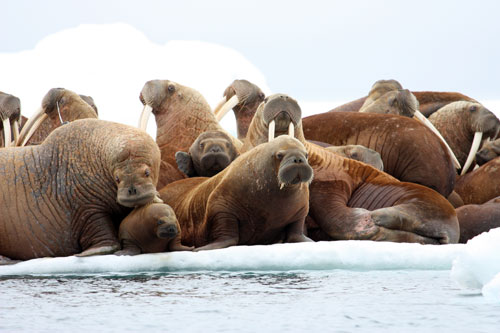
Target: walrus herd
396	165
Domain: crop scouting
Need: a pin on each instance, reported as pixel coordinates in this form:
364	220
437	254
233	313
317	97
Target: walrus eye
261	96
202	145
472	108
159	222
279	156
117	179
147	172
171	88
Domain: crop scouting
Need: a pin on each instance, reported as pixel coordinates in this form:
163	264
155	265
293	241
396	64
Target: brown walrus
464	125
489	150
67	195
150	228
480	185
476	219
262	197
59	106
209	154
181	114
10	116
352	200
243	97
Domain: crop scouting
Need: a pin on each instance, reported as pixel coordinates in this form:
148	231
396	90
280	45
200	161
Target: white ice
352	255
478	265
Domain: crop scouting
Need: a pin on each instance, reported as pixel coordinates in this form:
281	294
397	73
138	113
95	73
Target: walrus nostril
132	190
215	149
172	230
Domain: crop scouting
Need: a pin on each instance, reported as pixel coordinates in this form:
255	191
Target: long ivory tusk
143	120
473	150
233	101
16	131
419	116
272	126
33	129
6	132
29	124
291	130
219	105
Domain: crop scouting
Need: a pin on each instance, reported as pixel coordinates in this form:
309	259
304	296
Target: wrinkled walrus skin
61	197
258	199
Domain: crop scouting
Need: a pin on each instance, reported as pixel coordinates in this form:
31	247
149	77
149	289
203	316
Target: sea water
313	301
341	286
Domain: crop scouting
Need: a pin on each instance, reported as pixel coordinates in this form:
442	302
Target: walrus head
160	97
489	151
10	116
162	219
400	102
290	160
209	154
60	106
282	114
242	97
135	171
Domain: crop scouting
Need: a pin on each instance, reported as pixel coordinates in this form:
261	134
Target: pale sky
313	50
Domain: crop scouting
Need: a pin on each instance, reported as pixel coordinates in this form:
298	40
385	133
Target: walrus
90	101
243	97
379	89
181	114
388	97
10	116
353	200
465	125
150	228
262	197
67	195
481	184
489	150
475	219
59	106
209	154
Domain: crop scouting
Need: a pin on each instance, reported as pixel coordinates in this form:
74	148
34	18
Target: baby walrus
150	228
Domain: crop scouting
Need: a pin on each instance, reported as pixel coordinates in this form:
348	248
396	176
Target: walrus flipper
185	163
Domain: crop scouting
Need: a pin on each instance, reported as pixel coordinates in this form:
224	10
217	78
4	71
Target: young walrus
150	228
262	197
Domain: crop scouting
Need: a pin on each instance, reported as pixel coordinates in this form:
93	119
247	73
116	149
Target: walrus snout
135	195
294	168
167	229
214	161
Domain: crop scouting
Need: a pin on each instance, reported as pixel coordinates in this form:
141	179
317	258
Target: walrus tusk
6	132
33	129
291	130
143	120
233	101
33	122
16	131
473	150
219	105
272	126
419	116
